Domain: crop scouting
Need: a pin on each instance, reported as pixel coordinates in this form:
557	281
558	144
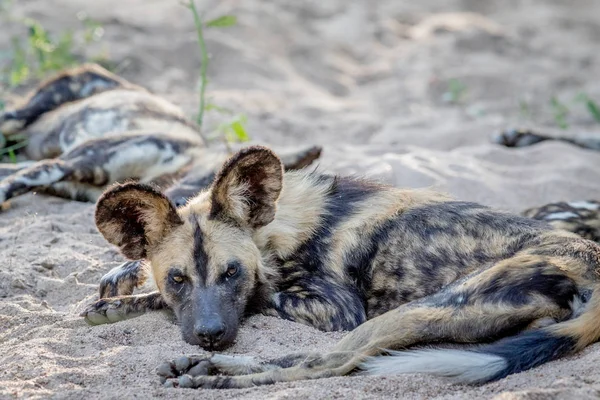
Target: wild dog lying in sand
400	268
580	217
101	128
88	128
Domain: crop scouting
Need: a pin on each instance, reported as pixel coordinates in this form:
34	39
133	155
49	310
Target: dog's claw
199	369
185	381
182	363
166	370
170	383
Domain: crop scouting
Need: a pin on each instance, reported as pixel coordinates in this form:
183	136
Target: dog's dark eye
232	270
176	277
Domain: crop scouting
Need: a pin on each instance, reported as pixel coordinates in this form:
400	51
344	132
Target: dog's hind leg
114	309
488	305
100	162
69	85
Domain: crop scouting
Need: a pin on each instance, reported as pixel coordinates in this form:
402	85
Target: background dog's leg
116	309
42	173
70	85
523	138
74	191
98	163
7	169
519	138
490	304
52	176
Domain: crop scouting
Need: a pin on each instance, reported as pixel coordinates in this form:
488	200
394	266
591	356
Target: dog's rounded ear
247	187
135	217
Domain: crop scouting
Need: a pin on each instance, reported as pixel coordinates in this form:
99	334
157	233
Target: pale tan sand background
363	78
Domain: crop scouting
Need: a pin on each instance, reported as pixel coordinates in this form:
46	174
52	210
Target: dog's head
204	260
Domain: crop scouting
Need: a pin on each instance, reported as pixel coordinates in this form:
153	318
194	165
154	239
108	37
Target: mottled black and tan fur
399	268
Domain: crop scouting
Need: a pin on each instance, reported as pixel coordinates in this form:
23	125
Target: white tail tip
462	365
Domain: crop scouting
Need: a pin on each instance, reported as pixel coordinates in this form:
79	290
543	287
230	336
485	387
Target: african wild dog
398	267
88	128
580	217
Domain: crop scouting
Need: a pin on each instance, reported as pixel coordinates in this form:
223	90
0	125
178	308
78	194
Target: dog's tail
499	359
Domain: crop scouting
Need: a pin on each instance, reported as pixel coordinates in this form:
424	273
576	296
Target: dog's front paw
209	371
106	311
195	365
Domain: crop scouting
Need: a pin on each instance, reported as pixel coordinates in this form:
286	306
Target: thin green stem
203	67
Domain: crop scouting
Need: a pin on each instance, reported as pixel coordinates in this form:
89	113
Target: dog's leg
487	305
519	138
122	280
7	169
69	85
47	175
114	309
116	300
71	190
322	304
523	138
42	173
100	162
579	217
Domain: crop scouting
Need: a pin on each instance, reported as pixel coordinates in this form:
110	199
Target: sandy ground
365	79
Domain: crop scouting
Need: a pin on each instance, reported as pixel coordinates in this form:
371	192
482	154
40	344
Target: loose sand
365	79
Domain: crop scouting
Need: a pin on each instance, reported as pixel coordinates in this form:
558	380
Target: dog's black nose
209	331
